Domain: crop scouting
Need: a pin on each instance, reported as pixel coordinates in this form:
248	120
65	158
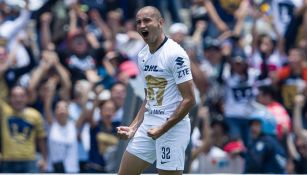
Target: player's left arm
187	92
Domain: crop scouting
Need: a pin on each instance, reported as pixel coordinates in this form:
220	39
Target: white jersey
161	72
240	94
274	62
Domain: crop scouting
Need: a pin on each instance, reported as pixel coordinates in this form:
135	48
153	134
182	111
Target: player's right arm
127	132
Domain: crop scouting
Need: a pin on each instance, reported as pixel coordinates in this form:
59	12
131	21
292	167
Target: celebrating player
161	130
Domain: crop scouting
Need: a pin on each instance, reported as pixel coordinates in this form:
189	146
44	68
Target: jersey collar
164	41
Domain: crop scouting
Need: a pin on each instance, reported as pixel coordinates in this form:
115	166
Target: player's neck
156	45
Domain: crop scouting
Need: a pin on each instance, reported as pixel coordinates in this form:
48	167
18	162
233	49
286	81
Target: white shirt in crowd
240	94
63	146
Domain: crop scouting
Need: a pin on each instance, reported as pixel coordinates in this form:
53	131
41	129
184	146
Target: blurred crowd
65	67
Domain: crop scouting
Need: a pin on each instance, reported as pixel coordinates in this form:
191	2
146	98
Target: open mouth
145	33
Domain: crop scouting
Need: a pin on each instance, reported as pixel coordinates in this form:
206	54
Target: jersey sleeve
141	71
181	68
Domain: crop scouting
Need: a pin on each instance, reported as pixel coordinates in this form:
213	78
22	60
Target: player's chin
145	38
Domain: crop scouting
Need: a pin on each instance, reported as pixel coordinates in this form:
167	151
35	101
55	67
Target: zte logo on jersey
151	68
183	72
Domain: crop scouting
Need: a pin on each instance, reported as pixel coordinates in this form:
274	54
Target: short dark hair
300	51
17	86
117	83
267	90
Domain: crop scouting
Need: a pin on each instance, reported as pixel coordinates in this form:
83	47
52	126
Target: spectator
11	31
298	149
291	79
79	59
282	12
294	35
62	136
49	66
239	96
129	42
120	67
100	131
179	33
22	130
266	96
216	152
267	53
199	14
9	73
215	69
171	6
223	15
118	95
302	149
264	155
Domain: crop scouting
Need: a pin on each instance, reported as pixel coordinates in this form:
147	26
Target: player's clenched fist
154	133
125	132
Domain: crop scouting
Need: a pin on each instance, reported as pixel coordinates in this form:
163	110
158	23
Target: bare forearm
109	67
139	117
43	147
89	113
301	10
220	24
82	118
182	110
47	111
197	36
104	29
297	122
45	36
35	79
65	81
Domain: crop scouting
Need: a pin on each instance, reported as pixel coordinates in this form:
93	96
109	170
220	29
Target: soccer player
161	130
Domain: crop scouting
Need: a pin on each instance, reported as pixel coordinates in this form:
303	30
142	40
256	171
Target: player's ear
161	21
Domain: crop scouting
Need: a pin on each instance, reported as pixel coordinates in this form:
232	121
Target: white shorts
168	150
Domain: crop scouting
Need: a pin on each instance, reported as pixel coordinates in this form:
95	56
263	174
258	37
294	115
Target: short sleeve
181	69
141	72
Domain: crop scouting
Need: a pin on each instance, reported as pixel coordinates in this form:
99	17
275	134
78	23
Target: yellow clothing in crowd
19	132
